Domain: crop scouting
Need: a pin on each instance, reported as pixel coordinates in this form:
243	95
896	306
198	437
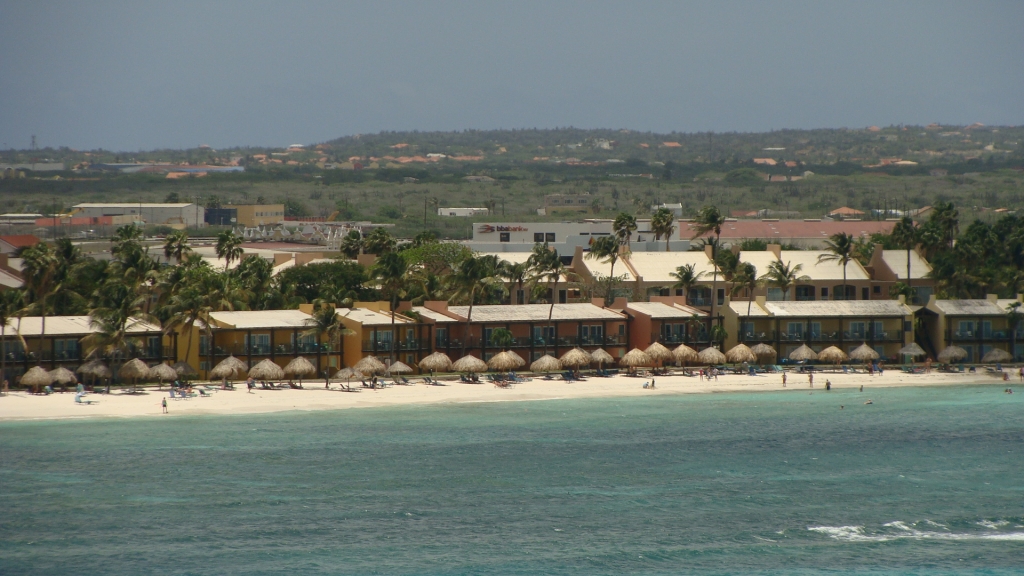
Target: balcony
410	344
677	339
833	336
981	336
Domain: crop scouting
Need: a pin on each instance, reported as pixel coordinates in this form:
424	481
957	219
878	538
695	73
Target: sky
143	75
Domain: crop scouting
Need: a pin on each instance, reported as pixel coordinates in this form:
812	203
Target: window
864	294
965	329
857	330
504	237
549	236
542	333
747	330
775	295
795	330
876	289
804	293
488	335
721	296
538	236
824	293
441	337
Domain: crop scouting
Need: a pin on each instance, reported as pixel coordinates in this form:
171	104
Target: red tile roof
785	229
21	240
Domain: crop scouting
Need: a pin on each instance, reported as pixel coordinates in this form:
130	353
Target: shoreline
21	406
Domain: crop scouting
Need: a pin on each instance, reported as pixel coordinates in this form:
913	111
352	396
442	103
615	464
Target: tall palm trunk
42	330
551	312
469	320
3	356
611	276
909	289
394	337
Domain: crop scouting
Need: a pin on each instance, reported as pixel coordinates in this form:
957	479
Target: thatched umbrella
399	368
370	365
266	370
94	370
436	362
63	376
951	354
228	368
519	359
601	357
347	374
576	358
162	372
684	354
740	353
864	353
184	369
803	353
636	357
502	362
996	355
299	367
764	351
546	363
135	370
833	355
659	353
711	355
912	350
36	378
469	363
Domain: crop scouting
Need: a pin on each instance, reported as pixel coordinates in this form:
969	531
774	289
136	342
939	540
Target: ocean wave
900	531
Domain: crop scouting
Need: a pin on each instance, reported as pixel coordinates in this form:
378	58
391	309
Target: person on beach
163	403
1021	378
700	375
783	379
810	378
652	382
861	387
828	384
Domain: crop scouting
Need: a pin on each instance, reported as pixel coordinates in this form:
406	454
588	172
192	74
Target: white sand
23	406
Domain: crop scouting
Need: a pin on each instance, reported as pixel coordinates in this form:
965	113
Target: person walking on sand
163	404
652	382
810	378
1021	378
783	379
828	384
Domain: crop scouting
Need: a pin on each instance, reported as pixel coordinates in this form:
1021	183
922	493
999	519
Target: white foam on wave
992	525
858	533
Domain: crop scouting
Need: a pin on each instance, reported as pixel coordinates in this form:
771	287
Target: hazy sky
141	75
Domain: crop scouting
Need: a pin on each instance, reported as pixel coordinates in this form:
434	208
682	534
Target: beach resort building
376	333
884	325
977	325
668	320
59	344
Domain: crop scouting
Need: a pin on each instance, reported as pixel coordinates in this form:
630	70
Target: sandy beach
23	406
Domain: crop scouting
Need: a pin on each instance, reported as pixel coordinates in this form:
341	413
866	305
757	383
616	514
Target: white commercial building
563	236
462	212
182	213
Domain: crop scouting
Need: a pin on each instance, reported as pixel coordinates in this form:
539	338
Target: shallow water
924	480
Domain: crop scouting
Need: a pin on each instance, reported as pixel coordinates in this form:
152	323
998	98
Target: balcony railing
981	335
826	336
697	338
409	344
561	341
268	350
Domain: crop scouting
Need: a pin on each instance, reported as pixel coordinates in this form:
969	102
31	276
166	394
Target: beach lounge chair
80	399
204	393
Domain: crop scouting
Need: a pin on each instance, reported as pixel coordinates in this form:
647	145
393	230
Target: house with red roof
13	242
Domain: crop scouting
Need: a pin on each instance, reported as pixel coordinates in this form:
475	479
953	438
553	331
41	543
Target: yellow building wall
259	214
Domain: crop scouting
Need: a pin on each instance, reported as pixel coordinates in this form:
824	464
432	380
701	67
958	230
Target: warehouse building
186	214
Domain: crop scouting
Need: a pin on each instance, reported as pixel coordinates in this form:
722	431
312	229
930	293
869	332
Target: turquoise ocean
922	481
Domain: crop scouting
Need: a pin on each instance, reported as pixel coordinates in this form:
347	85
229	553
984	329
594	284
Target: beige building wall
258	214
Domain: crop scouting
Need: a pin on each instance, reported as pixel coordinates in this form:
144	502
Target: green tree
549	267
39	270
469	277
623	227
662	225
1014	317
390	271
325	322
710	219
608	250
783	276
176	246
10	306
379	241
117	310
839	248
352	244
502	338
686	278
746	280
904	234
229	247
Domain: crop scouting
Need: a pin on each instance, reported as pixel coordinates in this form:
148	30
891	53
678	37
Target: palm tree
469	276
606	249
390	270
325	322
502	338
516	273
783	276
39	269
839	248
686	278
947	217
176	246
623	226
1014	317
229	247
710	219
904	234
117	309
746	279
661	225
378	242
549	266
10	304
352	244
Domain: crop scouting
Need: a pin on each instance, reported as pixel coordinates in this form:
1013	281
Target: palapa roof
601	356
95	369
711	355
657	351
684	353
300	367
763	350
162	372
832	354
864	353
469	363
740	353
266	370
36	376
576	357
804	352
502	361
259	319
438	362
70	326
846	308
135	369
952	354
912	349
184	368
536	312
63	376
636	357
399	368
370	365
228	367
663	311
347	374
997	355
546	363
